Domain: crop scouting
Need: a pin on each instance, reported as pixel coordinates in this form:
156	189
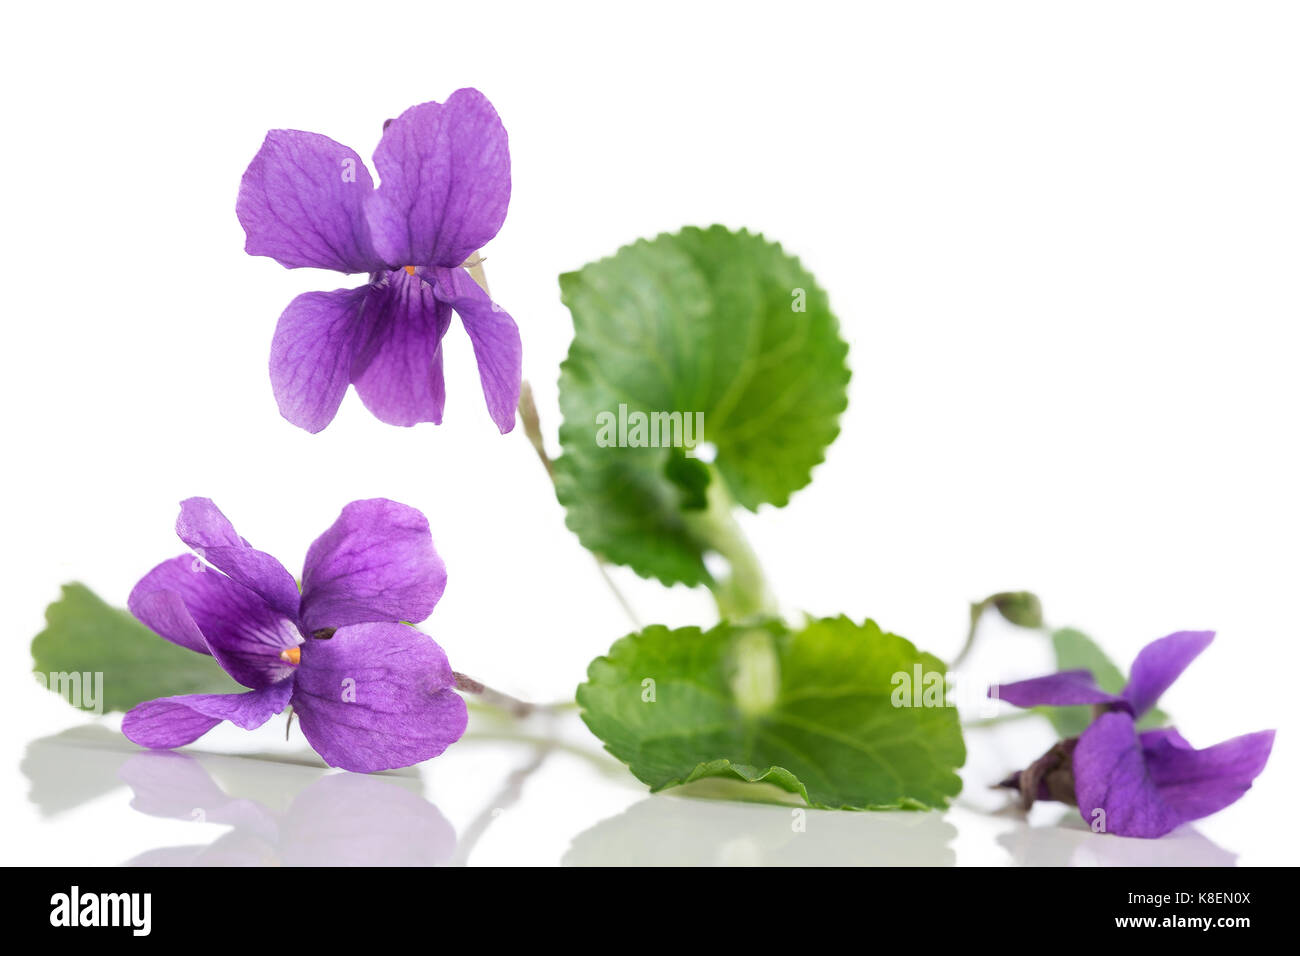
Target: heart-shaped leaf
705	336
840	713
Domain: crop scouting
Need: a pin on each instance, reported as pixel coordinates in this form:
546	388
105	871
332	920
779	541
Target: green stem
756	680
533	432
976	612
1020	608
744	593
1003	719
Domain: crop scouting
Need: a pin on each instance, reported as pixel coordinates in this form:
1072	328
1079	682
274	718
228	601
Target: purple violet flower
370	693
306	200
1146	783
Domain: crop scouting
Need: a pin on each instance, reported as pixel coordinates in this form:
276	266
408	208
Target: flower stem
503	701
533	432
1019	608
977	610
533	427
474	266
1001	719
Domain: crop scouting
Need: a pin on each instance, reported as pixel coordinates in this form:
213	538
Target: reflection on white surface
73	767
339	819
328	818
673	830
1069	842
513	800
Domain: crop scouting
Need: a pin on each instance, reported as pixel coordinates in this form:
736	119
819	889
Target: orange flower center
292	655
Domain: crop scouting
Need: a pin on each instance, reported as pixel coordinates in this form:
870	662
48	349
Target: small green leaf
84	636
1074	651
708	321
811	711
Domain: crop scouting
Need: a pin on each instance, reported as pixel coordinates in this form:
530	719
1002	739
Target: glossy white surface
501	797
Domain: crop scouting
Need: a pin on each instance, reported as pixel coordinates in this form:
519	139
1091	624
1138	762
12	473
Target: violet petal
203	527
302	200
162	600
1110	775
398	367
176	721
377	696
1196	783
1062	689
495	337
376	563
444	182
195	606
1159	664
312	352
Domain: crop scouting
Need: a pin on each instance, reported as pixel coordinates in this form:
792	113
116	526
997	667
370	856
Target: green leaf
84	636
711	321
1075	650
811	711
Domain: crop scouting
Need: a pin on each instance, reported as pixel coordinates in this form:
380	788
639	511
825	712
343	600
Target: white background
1061	240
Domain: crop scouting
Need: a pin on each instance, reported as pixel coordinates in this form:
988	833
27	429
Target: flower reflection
1070	842
277	810
340	819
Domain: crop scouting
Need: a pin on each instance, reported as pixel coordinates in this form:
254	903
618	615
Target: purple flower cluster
1140	784
370	692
